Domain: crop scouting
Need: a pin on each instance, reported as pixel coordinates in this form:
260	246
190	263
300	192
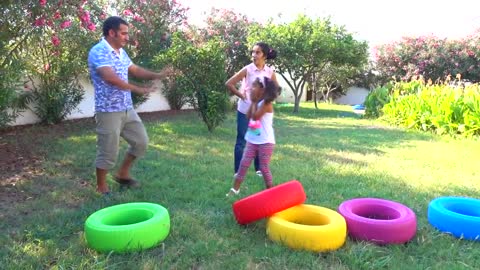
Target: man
109	67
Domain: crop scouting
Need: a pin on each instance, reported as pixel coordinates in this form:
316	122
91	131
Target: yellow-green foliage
440	108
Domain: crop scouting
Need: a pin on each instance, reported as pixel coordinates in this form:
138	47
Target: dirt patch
21	157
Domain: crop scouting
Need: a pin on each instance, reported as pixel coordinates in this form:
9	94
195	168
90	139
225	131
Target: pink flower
85	17
55	40
57	15
43	2
46	67
127	12
65	24
103	16
237	43
91	26
39	22
138	19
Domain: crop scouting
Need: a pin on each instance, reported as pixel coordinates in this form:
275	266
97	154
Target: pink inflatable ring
379	221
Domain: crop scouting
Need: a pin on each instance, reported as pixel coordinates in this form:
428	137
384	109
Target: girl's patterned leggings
264	154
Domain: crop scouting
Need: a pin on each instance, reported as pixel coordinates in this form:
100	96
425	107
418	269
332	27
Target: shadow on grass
187	170
312	113
330	189
340	137
203	229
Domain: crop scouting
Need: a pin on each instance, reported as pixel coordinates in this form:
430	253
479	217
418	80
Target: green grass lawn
332	152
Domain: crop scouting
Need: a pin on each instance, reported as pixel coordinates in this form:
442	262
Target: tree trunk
314	87
310	94
297	104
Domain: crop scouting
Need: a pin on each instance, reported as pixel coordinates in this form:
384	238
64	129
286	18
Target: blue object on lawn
358	107
459	216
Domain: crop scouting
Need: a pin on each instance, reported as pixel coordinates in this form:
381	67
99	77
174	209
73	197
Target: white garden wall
287	95
156	102
353	96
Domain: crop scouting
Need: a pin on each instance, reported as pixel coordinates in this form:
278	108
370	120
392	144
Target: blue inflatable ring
459	216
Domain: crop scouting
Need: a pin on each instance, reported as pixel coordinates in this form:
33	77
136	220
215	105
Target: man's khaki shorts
113	125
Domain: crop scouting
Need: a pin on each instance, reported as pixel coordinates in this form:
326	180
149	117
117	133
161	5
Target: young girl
260	136
260	53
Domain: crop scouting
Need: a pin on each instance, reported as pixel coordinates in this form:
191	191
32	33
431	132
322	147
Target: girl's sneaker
259	173
232	192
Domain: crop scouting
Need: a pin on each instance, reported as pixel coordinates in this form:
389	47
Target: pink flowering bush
222	25
430	57
50	39
232	29
150	24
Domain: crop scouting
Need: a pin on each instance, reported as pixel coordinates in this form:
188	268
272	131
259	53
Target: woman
261	52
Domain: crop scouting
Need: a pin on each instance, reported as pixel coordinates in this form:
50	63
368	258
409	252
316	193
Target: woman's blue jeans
242	126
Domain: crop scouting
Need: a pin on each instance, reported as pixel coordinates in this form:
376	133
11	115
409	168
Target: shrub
175	96
374	102
50	39
55	101
13	100
203	76
439	108
430	57
150	22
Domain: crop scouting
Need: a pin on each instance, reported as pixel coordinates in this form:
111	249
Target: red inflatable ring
379	221
268	202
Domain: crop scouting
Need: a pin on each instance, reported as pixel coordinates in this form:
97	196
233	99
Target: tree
306	46
332	79
232	29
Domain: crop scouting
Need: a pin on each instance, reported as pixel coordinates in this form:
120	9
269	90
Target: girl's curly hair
272	90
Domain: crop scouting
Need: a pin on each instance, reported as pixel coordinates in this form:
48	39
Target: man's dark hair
112	23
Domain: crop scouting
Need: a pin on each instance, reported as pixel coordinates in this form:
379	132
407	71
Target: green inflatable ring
127	227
